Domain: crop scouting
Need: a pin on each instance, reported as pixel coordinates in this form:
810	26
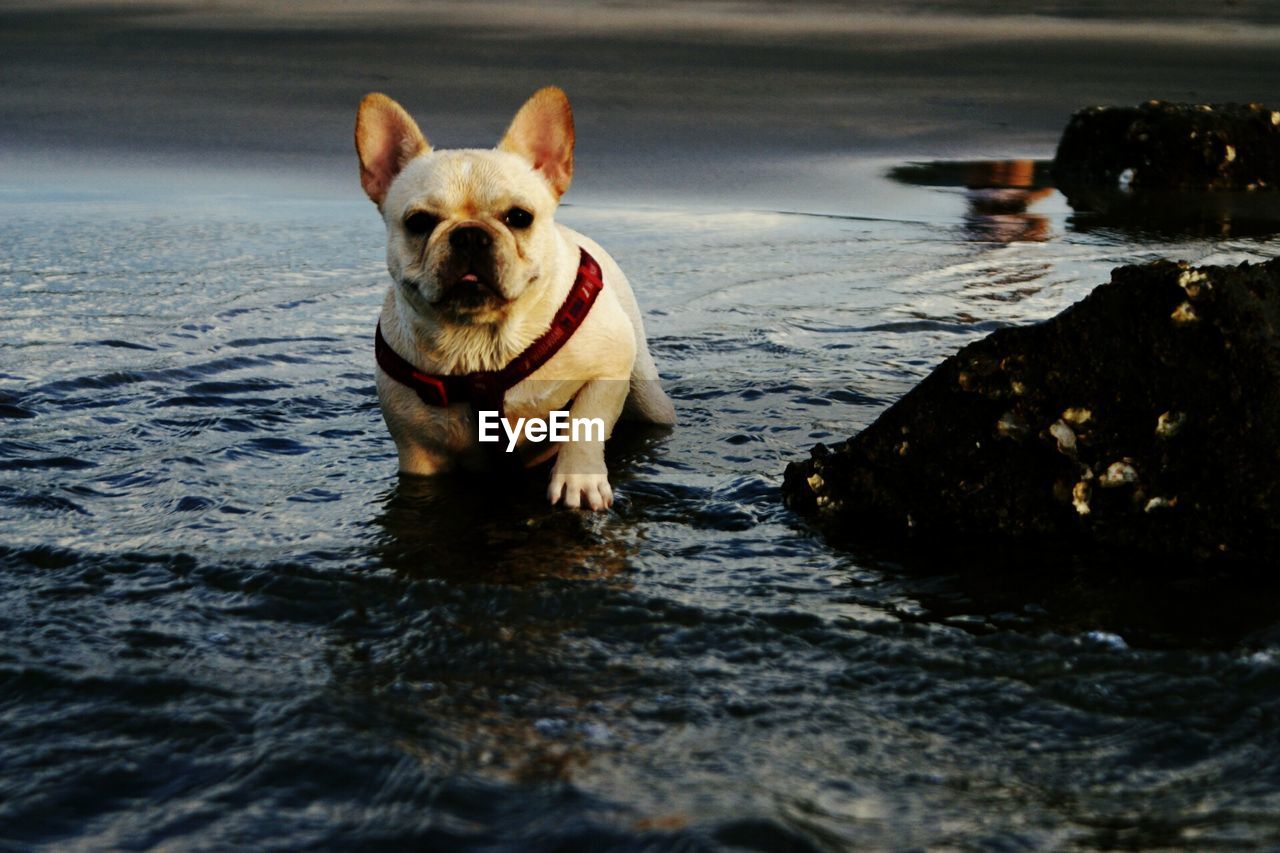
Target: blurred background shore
751	104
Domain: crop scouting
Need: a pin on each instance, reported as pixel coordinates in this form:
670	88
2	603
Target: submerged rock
1160	146
1144	417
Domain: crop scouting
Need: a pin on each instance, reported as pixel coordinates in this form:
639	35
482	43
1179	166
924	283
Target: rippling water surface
224	622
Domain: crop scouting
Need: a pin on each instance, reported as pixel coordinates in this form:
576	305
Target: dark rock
1160	145
1145	417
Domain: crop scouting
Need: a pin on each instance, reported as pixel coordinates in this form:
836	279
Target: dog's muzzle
469	275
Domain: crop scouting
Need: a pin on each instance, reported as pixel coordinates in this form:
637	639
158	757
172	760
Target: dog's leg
647	402
579	475
419	461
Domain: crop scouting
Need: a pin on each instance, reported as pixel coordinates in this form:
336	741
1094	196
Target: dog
494	308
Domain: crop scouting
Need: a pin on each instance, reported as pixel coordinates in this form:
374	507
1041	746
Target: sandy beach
749	104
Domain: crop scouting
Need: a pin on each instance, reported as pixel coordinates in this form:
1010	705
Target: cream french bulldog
483	280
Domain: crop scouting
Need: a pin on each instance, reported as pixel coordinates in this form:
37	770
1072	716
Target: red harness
486	389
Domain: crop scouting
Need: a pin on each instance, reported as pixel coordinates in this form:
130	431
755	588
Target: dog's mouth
469	288
473	279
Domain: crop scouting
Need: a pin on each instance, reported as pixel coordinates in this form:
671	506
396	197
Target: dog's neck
453	349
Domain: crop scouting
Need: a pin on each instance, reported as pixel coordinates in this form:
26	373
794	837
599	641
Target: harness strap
487	389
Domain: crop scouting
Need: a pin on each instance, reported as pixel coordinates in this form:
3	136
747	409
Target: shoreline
682	104
699	100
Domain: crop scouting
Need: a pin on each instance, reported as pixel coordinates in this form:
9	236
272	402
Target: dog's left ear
542	133
387	138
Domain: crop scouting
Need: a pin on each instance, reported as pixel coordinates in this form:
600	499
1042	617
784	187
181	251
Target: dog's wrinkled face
469	231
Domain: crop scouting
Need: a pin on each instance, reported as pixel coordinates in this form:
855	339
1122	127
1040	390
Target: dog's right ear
386	140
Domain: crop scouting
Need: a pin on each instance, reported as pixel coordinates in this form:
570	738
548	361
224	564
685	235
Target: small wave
117	344
957	327
65	463
269	446
8	410
47	503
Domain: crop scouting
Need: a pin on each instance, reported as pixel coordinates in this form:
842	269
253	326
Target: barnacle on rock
1184	314
1118	474
1077	416
1080	497
1168	424
1013	363
1012	425
1064	436
1194	282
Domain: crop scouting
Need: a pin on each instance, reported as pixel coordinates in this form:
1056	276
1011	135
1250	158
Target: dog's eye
420	222
518	217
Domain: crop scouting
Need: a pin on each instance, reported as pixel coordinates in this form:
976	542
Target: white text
558	427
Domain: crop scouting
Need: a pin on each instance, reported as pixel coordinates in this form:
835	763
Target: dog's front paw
590	490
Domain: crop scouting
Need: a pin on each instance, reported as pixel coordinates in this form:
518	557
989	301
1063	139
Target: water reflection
474	637
1173	214
1114	598
493	528
999	195
496	527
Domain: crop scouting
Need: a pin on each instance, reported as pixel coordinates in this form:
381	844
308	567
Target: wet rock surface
1144	418
1160	146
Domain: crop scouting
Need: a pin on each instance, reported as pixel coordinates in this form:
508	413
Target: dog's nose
469	239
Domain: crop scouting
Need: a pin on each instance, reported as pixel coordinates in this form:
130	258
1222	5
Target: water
224	622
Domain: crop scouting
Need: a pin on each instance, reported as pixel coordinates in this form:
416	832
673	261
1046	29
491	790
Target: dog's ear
542	133
386	139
